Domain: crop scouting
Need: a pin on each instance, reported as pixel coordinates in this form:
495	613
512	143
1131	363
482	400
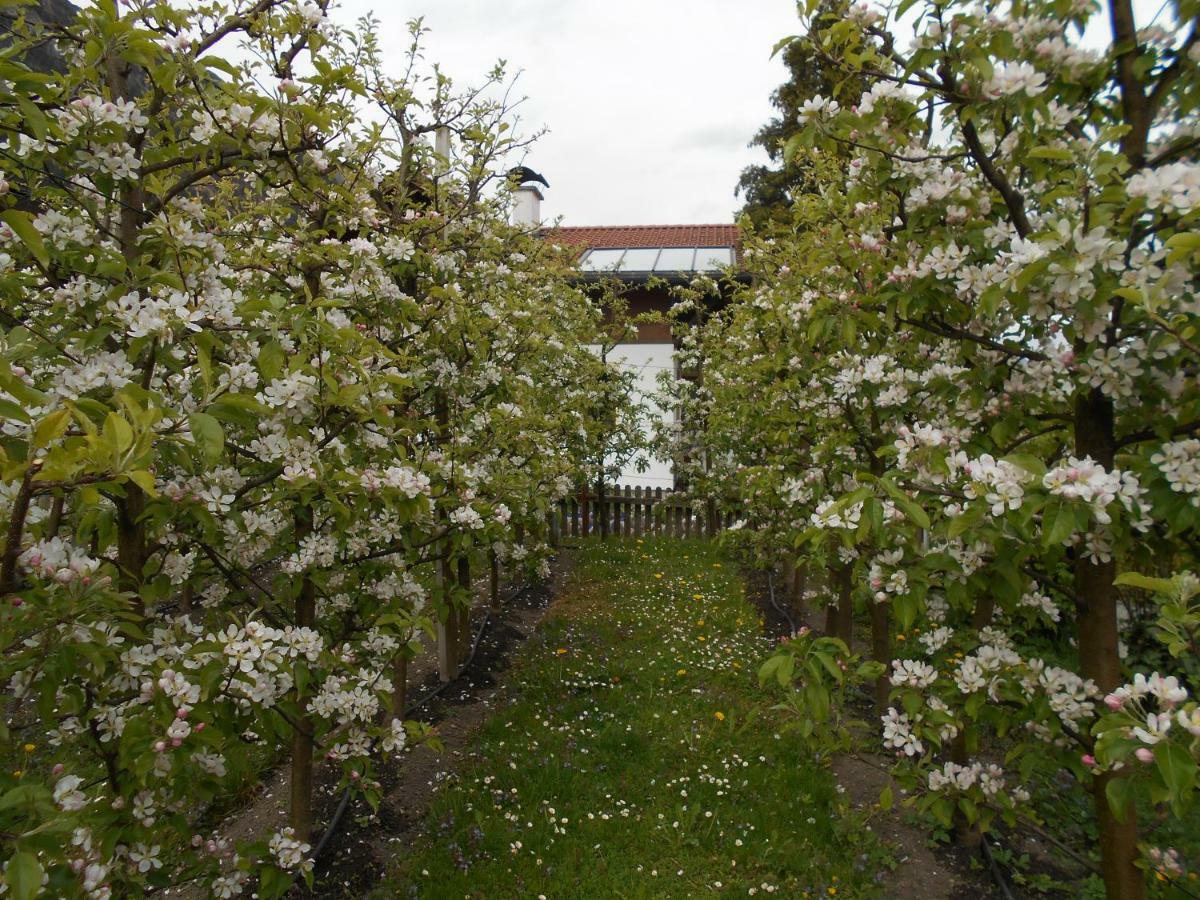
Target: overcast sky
649	103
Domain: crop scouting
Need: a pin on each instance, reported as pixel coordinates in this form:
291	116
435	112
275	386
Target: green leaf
906	503
1146	583
1030	272
768	669
273	882
117	433
51	427
144	480
830	666
943	810
969	809
237	409
208	435
886	799
224	65
271	359
782	43
24	794
204	345
1177	768
22	225
1183	244
1119	792
10	410
965	521
34	117
24	876
785	671
1046	152
1058	523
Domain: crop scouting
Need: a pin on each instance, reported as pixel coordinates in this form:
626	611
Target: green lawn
638	757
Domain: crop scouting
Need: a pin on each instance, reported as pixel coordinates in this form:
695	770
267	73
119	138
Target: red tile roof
595	237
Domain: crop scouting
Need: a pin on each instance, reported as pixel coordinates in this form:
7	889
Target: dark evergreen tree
768	188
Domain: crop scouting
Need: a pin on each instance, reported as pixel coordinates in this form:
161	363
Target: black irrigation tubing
783	612
339	814
994	867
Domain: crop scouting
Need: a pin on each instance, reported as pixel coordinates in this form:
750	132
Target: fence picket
634	511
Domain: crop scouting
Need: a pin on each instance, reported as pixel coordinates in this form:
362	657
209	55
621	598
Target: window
710	258
659	260
675	259
641	259
601	260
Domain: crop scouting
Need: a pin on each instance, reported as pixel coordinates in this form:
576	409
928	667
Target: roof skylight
658	260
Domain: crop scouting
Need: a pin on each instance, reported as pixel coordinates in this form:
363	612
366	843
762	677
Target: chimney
527	206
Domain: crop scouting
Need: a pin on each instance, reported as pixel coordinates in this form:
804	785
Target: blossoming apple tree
1001	245
269	361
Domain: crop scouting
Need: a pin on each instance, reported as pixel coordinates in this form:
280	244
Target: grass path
637	756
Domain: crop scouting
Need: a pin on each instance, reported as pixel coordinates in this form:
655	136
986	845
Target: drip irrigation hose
994	867
336	821
781	610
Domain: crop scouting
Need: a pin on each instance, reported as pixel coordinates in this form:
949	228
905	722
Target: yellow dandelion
719	716
681	672
561	650
28	748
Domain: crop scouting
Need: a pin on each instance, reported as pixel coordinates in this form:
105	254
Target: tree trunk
16	529
464	611
966	834
399	683
839	620
798	587
54	524
302	733
1096	610
447	633
131	543
494	583
881	651
601	511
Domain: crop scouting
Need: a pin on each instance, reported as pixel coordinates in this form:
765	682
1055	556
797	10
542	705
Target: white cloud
649	103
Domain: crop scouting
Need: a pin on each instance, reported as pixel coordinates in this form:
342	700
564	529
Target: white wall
647	360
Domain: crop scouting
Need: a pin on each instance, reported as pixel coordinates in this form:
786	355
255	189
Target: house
648	259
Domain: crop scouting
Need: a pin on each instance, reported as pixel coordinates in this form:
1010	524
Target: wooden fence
637	511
